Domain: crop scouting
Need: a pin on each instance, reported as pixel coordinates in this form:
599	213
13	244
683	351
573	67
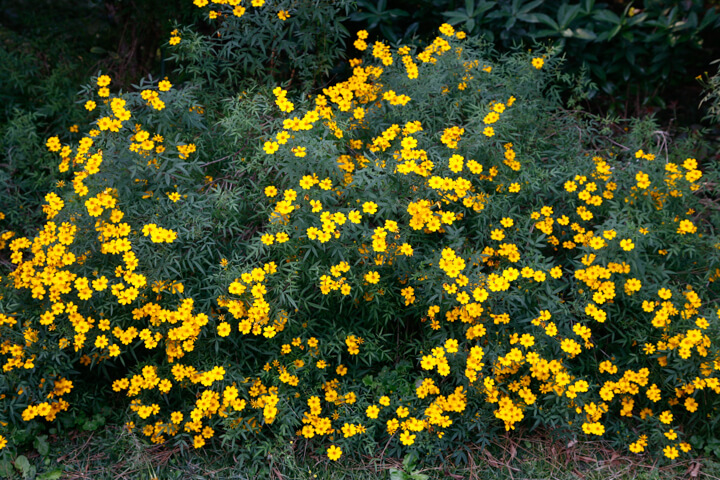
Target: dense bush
431	251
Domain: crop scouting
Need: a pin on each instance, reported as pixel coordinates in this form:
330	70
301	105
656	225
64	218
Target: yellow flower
497	234
407	438
372	277
666	417
270	147
538	62
224	329
334	452
664	293
370	207
670	452
627	244
447	30
270	191
686	226
643	180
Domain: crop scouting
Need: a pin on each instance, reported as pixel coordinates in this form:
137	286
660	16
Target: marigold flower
670	452
370	207
334	452
666	417
407	438
224	329
372	411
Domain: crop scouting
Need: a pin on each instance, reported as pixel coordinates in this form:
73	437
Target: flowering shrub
430	251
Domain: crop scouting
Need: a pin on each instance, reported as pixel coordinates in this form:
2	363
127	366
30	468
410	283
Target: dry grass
113	453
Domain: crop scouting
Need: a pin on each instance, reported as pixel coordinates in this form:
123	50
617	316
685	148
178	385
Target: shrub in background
632	52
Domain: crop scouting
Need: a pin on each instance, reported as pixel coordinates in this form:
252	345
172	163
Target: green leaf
396	474
607	16
22	464
51	475
710	17
637	19
584	34
527	8
567	14
541	17
6	469
41	445
588	6
455	17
